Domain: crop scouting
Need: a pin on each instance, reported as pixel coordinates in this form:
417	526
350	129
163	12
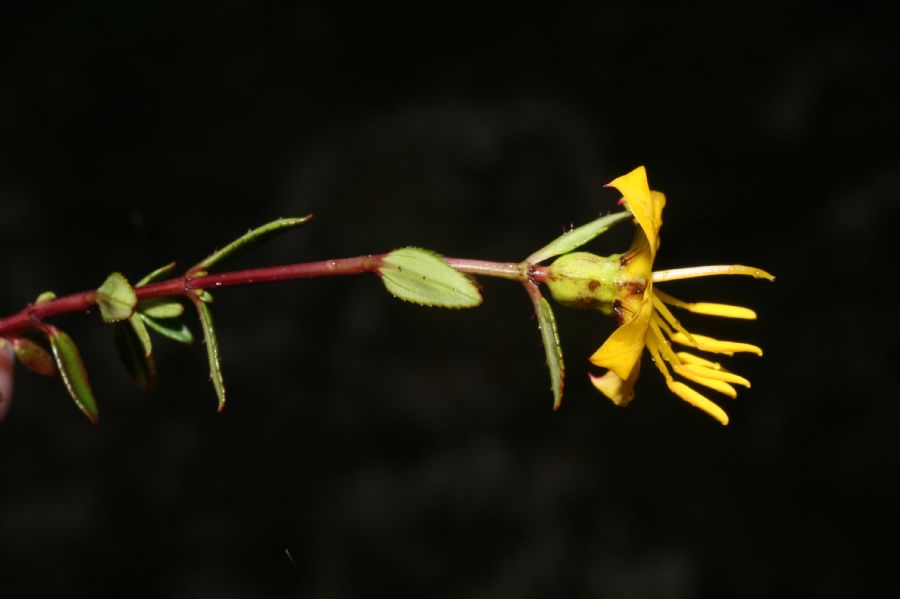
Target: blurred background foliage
395	449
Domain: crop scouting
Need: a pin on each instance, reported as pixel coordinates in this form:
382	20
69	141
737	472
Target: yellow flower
646	321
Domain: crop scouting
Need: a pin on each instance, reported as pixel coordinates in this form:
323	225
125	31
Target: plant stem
304	270
32	316
503	270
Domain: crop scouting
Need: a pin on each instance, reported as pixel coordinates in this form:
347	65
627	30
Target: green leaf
71	367
249	240
47	296
159	307
204	295
174	330
156	274
421	277
552	347
33	357
212	351
136	351
576	238
116	298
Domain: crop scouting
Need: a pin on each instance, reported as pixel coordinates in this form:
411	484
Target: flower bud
584	280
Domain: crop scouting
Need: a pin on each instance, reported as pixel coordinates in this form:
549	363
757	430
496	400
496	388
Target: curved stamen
653	341
670	318
688	358
680	389
708	308
676	274
698	401
664	345
714	384
720	375
716	346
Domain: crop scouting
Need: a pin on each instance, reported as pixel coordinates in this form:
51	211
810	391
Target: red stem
306	270
33	314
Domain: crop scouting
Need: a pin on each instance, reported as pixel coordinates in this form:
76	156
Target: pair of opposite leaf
130	318
47	350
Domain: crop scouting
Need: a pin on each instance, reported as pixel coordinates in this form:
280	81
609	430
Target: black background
393	449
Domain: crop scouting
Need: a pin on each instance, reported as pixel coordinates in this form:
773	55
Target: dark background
392	449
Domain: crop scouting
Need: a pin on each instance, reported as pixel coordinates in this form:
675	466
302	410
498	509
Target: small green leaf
552	347
204	295
156	274
174	330
47	296
576	238
116	298
159	307
136	351
71	367
33	357
421	277
212	351
248	240
143	336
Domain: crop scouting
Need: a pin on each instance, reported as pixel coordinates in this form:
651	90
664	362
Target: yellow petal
617	389
698	401
622	350
659	202
639	257
714	345
646	206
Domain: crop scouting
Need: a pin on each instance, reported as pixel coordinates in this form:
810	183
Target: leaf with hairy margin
71	368
422	277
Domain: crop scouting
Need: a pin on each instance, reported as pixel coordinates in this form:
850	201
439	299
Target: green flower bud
584	280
